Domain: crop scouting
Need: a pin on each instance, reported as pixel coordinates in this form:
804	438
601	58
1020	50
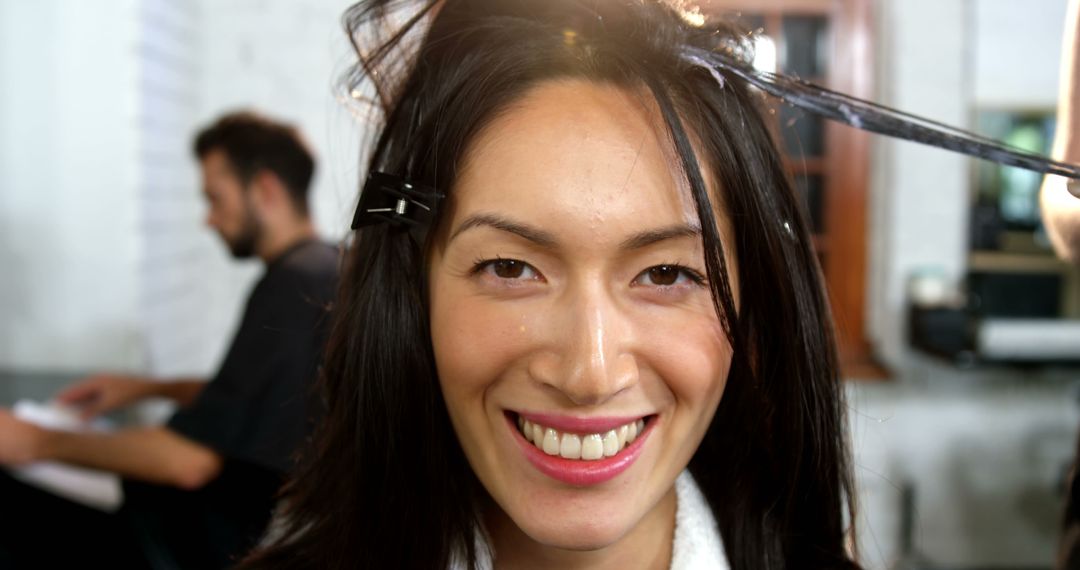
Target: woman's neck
647	545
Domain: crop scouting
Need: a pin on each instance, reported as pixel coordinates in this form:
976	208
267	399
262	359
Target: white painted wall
919	195
68	207
1015	50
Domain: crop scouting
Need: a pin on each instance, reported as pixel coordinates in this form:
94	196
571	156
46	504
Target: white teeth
586	447
551	442
611	444
570	447
592	448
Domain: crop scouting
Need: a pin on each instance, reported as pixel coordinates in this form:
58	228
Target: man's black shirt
256	413
256	410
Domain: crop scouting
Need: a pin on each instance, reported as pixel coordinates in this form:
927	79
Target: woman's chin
578	535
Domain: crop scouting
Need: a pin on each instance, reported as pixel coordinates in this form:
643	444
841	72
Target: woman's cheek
691	354
476	339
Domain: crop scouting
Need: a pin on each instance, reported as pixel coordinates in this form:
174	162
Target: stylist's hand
103	393
20	442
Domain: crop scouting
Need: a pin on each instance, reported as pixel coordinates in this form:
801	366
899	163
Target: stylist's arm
1060	208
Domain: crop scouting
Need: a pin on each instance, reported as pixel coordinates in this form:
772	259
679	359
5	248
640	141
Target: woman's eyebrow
650	237
535	235
547	240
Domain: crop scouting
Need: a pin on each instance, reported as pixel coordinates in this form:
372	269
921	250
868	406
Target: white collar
696	546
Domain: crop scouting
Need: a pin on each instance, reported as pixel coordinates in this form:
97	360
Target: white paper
97	489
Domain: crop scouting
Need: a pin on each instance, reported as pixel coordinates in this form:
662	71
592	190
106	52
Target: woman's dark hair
253	142
387	484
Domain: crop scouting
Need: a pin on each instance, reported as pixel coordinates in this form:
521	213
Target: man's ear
268	190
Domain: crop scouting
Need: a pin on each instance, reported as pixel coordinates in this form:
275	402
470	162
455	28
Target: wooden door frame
846	168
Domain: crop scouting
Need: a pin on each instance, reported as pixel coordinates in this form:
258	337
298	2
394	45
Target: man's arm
103	393
156	455
1061	210
183	392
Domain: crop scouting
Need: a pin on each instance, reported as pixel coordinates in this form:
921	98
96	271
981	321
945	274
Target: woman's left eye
669	275
506	269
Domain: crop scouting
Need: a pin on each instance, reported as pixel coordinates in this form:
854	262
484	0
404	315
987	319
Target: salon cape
697	543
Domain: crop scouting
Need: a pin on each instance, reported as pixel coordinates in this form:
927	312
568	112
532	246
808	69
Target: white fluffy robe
697	538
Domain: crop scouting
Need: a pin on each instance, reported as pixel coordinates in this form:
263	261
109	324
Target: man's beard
243	245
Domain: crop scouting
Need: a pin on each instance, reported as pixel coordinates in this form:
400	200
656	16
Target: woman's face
568	292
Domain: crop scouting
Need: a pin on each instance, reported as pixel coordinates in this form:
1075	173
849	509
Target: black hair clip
388	198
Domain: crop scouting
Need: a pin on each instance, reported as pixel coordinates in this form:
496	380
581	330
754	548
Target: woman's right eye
507	269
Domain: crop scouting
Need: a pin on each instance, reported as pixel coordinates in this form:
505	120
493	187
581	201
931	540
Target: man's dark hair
252	143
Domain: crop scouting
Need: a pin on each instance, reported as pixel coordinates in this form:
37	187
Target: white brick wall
183	325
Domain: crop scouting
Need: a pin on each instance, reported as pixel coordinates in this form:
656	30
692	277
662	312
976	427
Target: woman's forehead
583	154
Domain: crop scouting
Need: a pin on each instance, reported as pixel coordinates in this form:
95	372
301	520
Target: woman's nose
595	357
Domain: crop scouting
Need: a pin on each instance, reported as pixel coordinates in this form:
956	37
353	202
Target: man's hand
20	442
103	393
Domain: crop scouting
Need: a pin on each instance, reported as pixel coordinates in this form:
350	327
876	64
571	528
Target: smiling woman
572	296
608	347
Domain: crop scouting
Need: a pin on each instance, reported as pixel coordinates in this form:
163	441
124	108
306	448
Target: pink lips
577	472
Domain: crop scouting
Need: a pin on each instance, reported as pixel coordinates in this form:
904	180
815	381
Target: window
826	42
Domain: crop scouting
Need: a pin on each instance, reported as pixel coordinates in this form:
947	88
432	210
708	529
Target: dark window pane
1023	295
806	46
1014	191
810	188
803	133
